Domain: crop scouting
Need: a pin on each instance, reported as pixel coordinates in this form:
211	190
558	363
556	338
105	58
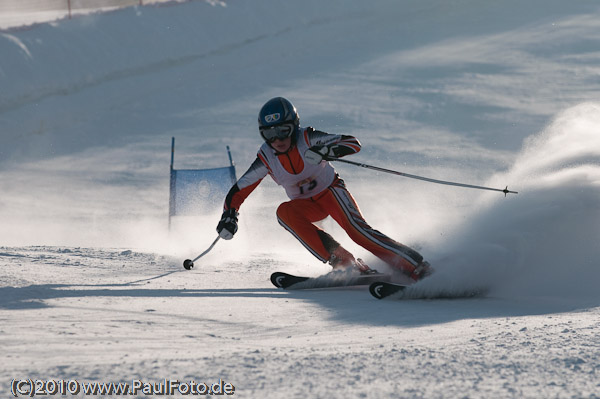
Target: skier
297	159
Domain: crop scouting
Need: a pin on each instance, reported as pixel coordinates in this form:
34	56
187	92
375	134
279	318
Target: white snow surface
482	92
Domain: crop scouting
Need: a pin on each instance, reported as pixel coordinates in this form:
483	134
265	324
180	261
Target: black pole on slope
449	183
189	263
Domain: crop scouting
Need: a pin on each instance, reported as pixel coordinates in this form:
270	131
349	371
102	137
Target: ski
329	280
285	280
382	289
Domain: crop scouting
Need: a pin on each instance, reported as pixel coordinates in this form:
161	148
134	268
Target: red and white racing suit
315	192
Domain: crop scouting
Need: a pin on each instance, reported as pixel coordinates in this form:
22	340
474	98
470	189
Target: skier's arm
227	226
245	185
324	146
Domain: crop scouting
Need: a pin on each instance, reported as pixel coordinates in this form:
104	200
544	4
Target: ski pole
362	165
189	263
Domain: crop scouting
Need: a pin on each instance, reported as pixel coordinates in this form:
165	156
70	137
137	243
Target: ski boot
342	259
364	268
422	270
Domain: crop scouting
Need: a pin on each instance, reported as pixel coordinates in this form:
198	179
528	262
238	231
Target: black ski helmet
276	112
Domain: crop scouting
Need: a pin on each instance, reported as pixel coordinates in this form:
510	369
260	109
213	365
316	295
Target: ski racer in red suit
297	159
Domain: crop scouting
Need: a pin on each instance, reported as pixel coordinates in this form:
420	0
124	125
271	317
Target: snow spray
543	242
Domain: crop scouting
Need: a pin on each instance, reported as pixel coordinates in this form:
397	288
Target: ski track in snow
92	287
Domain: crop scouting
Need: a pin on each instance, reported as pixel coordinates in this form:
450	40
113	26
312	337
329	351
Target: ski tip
380	289
375	290
188	264
286	280
278	279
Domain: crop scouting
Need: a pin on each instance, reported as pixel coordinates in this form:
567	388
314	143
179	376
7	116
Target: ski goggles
279	132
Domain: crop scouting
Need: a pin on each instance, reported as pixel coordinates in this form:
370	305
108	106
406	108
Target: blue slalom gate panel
198	191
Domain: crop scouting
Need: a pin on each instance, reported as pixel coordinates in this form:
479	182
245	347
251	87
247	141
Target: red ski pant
297	216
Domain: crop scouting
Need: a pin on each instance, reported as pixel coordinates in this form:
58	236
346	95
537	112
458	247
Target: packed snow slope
482	92
21	14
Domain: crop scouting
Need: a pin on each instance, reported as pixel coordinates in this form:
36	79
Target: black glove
318	153
227	226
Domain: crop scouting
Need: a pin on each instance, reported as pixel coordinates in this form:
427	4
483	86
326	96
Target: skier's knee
284	211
